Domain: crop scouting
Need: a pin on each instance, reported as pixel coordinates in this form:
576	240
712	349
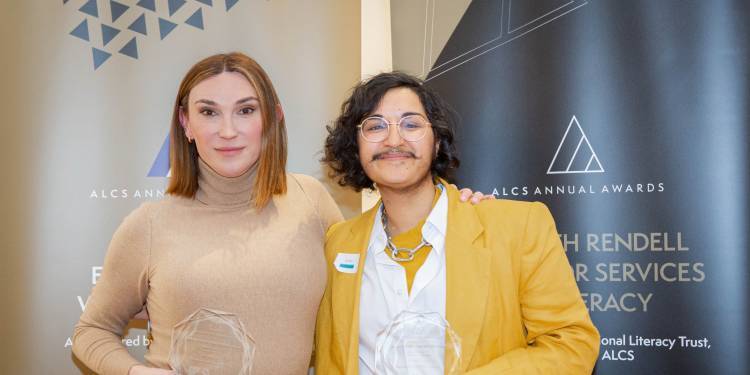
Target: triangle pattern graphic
196	20
174	6
117	9
583	159
99	57
207	2
165	27
90	8
160	167
82	30
230	4
130	49
147	4
108	33
139	25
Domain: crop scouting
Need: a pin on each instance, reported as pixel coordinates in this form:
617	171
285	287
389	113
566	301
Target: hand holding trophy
211	342
418	344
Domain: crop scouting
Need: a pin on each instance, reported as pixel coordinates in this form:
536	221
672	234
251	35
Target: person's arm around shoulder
118	295
560	335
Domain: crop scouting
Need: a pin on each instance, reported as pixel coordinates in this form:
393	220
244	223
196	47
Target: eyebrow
402	115
241	101
410	114
248	99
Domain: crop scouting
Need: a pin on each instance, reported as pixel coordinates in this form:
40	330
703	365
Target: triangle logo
139	25
90	8
230	4
108	33
82	30
147	4
130	49
196	20
117	9
174	5
160	167
574	153
165	27
99	57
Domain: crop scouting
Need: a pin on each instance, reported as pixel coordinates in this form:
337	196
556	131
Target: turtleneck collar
217	190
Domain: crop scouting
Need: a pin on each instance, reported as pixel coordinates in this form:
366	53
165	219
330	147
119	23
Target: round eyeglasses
411	128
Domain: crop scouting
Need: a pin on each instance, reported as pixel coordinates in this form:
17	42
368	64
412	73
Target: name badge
346	262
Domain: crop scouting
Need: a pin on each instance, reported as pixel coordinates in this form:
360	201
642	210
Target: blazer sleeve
561	339
327	358
323	334
118	295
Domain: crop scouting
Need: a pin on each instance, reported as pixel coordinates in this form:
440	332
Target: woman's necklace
400	254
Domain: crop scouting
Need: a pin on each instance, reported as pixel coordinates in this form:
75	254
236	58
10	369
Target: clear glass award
211	342
418	344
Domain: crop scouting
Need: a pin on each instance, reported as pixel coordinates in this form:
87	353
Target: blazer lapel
467	274
345	290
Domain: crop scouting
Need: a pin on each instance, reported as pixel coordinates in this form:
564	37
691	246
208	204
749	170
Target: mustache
380	155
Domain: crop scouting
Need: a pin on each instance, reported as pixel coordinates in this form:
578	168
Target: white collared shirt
384	292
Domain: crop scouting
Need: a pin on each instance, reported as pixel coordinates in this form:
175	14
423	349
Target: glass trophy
211	342
418	344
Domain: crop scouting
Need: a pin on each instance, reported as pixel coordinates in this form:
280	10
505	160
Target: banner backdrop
88	92
629	119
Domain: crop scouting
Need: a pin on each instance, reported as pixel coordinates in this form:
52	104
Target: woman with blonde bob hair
236	233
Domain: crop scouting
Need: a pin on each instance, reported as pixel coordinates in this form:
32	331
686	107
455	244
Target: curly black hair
342	151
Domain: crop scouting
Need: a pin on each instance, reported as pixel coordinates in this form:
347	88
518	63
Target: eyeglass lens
411	128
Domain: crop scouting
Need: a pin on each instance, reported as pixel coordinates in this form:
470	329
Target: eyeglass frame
398	123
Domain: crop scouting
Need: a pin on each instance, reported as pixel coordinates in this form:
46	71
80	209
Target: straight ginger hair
183	155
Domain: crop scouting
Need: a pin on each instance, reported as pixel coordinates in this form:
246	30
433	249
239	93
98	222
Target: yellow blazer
511	295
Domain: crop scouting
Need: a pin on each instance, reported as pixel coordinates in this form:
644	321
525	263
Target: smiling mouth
393	155
229	150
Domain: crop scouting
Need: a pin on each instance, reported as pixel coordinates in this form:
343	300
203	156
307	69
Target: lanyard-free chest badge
346	262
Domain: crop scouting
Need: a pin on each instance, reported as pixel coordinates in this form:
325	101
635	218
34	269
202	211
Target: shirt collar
433	230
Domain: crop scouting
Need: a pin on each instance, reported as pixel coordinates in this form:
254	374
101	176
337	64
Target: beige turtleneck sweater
215	251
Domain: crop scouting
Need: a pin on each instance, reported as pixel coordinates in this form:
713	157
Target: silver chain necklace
396	252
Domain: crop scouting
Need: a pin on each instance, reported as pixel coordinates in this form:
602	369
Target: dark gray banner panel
629	119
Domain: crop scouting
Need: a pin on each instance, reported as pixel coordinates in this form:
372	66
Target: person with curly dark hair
341	147
421	284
